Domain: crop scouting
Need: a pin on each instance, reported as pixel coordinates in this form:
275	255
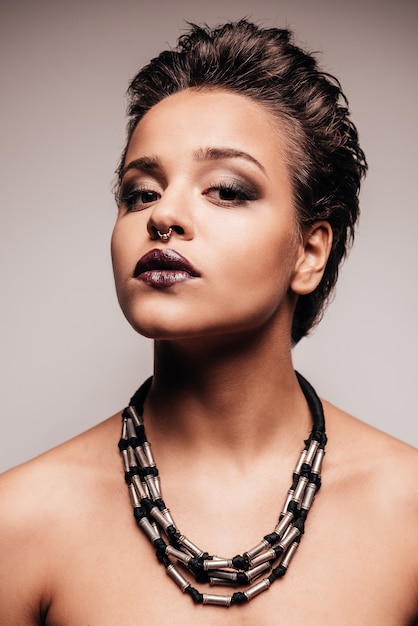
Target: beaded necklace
270	557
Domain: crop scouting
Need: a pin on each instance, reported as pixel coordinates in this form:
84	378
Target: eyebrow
217	154
153	163
144	164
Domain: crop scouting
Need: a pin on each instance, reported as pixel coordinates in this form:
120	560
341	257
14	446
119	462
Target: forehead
192	120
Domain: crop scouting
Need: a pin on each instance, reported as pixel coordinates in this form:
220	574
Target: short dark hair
325	160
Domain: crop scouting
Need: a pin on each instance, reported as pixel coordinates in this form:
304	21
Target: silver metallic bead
177	554
125	459
137	419
190	547
291	534
224	575
289	555
141	489
140	455
317	464
269	555
300	489
283	524
257	588
210	598
131	428
210	564
260	547
132	458
134	498
167	515
178	578
300	462
160	518
148	453
313	447
222	582
309	496
148	529
255	572
153	487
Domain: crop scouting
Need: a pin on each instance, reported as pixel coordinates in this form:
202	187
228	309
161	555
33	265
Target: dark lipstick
164	268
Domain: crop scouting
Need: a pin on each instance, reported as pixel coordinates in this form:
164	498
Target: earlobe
312	258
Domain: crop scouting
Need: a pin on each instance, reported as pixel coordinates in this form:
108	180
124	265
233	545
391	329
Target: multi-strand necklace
255	570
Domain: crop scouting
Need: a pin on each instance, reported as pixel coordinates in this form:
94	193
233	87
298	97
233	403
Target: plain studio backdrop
68	357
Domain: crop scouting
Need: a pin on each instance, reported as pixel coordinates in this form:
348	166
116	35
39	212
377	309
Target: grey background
68	357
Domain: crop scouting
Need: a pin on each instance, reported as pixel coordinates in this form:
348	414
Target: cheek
115	248
119	248
122	245
255	276
266	256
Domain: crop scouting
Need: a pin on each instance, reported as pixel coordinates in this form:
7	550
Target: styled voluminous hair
325	160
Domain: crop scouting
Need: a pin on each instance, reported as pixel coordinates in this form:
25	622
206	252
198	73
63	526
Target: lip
164	268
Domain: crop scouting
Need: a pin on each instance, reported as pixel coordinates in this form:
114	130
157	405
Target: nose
171	215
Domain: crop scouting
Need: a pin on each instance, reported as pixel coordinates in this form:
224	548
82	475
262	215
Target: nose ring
165	236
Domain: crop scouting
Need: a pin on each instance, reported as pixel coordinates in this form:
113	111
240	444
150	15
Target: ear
312	258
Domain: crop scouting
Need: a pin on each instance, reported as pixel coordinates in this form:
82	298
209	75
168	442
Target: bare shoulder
372	452
364	457
40	504
376	475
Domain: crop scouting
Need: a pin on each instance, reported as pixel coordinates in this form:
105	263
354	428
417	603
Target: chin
162	321
173	322
155	328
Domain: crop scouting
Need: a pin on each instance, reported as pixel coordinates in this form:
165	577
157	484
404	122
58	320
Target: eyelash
132	198
242	194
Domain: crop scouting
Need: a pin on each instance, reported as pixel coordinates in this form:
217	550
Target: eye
230	194
137	199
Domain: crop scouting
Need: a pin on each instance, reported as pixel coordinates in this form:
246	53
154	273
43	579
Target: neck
235	397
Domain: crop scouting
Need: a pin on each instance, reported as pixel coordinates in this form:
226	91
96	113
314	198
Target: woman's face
210	166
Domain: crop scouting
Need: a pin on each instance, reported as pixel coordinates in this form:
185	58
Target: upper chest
343	573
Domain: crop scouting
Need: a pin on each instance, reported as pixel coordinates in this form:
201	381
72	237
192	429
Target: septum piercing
165	236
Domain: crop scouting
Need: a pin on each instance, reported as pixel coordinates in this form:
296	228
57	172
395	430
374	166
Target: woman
237	198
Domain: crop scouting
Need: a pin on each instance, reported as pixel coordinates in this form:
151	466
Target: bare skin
72	555
225	414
